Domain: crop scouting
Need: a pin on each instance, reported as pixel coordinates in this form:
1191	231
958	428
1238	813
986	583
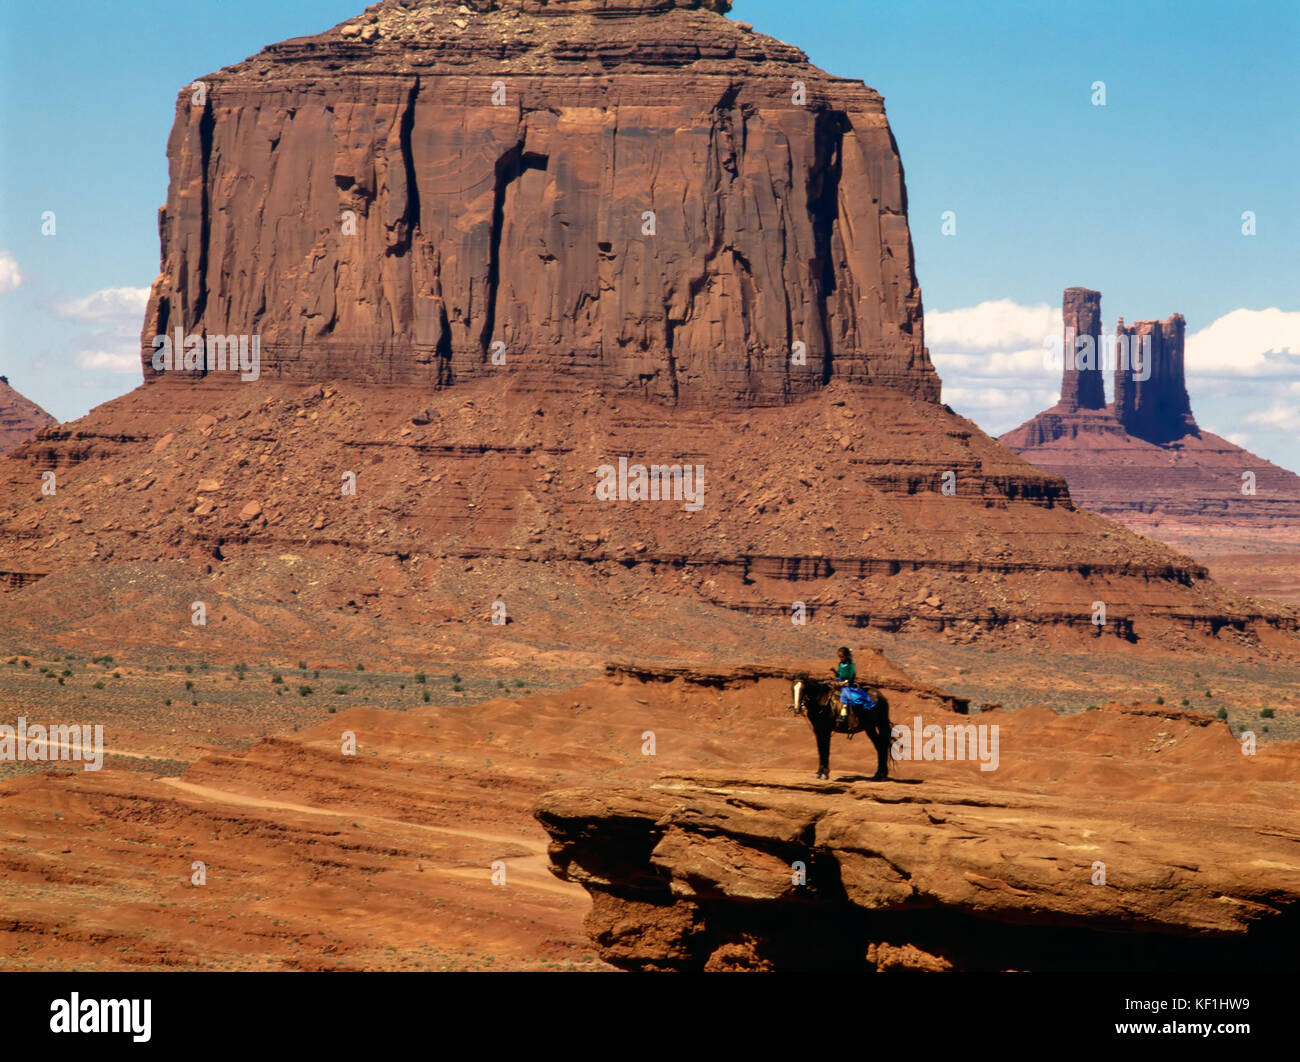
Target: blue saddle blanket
857	697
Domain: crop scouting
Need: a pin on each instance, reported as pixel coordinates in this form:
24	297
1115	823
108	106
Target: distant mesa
1142	459
20	418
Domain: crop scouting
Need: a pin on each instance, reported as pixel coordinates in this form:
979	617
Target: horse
820	702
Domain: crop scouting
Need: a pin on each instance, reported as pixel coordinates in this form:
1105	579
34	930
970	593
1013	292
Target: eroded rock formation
1143	460
1120	854
20	418
1153	405
1082	386
655	199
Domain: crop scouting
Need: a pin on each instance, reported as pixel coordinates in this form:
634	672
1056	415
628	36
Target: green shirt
846	672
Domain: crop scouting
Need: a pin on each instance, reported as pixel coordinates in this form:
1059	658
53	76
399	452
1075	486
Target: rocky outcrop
20	418
1143	460
1081	409
656	199
1152	403
1159	847
1081	384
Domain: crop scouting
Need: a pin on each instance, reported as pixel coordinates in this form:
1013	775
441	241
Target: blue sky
991	104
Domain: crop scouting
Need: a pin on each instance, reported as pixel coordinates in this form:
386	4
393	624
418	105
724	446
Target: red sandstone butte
20	418
838	482
779	211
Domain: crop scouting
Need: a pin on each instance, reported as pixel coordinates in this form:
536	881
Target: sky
997	115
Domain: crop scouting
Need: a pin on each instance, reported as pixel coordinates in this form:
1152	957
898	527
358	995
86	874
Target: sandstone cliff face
1081	384
498	168
1156	409
20	418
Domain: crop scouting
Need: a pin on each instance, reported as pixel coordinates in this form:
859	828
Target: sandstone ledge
695	872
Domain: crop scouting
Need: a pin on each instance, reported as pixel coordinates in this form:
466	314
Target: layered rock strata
20	418
1121	855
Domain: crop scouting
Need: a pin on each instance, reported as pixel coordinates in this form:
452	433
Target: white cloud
998	398
109	305
122	360
112	318
1237	438
1280	416
1246	343
11	277
1000	325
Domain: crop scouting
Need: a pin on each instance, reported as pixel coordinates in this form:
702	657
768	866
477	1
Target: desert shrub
1266	713
277	678
304	691
1222	713
421	677
99	684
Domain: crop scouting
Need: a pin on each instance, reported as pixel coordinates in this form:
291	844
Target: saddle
847	718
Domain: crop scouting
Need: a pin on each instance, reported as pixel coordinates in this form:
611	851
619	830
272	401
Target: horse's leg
822	728
882	737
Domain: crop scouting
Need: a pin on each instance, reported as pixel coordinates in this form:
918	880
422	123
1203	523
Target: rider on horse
870	711
846	673
870	707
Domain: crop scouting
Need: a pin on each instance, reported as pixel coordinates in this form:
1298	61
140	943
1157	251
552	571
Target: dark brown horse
820	702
